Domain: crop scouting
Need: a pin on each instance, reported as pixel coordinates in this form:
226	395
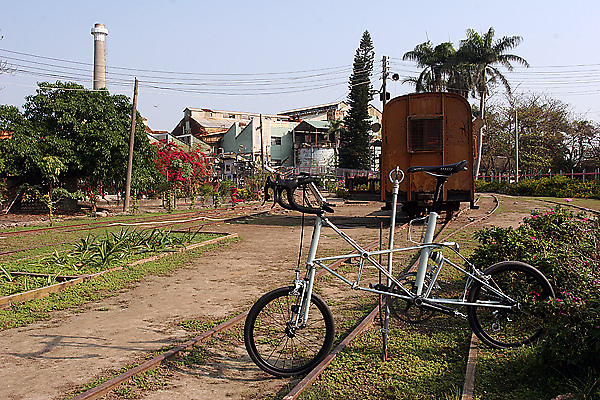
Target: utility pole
384	88
516	146
131	141
262	143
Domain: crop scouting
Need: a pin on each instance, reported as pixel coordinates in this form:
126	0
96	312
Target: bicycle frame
304	287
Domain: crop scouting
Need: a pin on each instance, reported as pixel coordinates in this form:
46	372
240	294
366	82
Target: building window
425	134
276	141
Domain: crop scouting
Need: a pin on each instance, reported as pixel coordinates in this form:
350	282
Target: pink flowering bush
564	246
183	171
178	165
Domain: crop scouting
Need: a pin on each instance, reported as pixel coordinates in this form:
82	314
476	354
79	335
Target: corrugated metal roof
307	124
215	122
312	108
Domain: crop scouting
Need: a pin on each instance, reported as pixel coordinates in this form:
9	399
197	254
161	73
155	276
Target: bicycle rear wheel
520	325
280	350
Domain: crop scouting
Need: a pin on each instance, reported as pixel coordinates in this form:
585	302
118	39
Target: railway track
134	220
193	221
99	391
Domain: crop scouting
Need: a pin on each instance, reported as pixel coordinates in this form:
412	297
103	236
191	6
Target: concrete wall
247	139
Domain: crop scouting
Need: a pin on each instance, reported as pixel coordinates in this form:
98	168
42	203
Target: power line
337	68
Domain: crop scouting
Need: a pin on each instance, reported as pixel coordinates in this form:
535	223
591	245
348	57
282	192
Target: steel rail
102	389
44	291
571	205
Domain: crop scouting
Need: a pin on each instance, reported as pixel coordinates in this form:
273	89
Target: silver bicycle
290	330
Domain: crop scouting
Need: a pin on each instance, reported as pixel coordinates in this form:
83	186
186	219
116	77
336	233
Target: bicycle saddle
442	170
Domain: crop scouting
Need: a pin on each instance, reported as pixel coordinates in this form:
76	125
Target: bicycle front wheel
519	325
278	348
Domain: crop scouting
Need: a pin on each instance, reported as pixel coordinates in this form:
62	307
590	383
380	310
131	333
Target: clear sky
271	56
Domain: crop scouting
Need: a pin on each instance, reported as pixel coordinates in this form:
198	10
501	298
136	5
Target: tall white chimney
100	32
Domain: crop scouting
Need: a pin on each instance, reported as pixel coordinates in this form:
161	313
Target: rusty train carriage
427	129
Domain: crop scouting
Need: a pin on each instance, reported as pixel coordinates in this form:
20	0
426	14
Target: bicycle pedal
379	286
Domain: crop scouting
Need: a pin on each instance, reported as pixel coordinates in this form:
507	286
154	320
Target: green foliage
246	194
354	140
205	191
86	131
225	188
551	136
50	197
440	67
420	365
256	182
557	186
564	246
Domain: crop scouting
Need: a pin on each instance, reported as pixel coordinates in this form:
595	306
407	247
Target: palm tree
483	53
435	61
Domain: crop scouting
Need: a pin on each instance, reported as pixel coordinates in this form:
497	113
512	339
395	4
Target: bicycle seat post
437	200
429	234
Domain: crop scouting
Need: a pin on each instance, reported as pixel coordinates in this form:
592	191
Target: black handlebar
279	184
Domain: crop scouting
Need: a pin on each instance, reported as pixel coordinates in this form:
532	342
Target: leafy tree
551	138
88	131
354	140
18	153
581	145
484	53
543	122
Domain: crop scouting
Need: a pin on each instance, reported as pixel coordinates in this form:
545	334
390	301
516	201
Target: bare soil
46	360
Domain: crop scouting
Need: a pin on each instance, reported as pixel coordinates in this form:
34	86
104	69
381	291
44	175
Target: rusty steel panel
455	114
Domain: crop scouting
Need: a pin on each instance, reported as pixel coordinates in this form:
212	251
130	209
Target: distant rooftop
308	110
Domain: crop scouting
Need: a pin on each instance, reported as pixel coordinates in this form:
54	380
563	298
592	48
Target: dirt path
44	360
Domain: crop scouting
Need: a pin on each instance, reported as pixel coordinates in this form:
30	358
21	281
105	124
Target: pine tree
354	141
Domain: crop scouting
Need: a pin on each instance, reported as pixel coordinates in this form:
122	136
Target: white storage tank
316	157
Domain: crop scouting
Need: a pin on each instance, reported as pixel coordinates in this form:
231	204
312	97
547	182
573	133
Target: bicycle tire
519	326
275	349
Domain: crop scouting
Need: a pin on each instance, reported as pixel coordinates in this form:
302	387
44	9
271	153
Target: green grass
420	365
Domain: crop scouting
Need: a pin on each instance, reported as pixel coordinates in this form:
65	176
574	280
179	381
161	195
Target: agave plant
106	253
7	274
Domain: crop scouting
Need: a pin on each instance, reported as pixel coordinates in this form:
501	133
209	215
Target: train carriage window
425	134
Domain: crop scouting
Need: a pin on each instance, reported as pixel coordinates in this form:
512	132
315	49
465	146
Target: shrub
564	246
557	186
494	186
